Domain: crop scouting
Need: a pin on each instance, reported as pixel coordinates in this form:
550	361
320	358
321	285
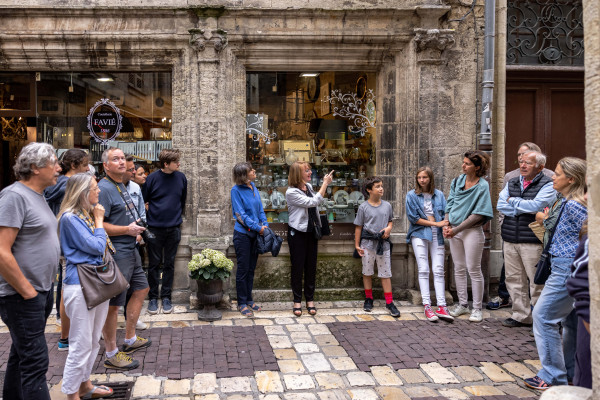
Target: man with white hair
519	201
29	253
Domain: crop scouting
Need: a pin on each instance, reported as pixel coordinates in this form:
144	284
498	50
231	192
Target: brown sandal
311	310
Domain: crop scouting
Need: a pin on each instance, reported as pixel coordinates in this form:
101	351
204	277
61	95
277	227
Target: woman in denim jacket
425	208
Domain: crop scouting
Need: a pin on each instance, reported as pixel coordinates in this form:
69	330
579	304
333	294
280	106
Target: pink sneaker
429	314
442	312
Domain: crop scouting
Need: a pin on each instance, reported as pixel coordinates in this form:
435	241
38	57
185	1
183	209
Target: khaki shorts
384	265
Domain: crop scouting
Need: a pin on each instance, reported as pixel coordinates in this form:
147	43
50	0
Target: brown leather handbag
100	283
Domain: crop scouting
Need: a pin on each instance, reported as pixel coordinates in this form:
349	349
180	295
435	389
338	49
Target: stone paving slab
179	353
406	344
310	362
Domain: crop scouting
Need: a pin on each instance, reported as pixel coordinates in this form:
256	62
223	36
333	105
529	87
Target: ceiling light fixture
105	79
309	74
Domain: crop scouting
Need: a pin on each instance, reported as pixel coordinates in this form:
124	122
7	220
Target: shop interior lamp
336	129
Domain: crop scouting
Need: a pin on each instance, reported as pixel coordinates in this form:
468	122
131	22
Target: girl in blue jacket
425	207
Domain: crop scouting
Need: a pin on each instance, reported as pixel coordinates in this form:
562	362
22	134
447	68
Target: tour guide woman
83	241
250	220
555	304
303	215
469	207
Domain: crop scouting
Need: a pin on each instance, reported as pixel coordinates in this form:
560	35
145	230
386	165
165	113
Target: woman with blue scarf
469	208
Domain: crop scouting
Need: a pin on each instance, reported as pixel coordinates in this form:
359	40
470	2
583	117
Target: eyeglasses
131	170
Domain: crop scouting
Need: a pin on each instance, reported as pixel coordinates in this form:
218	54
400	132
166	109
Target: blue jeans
163	245
28	360
246	264
552	308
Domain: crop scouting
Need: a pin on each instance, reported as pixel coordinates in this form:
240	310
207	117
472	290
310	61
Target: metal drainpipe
484	139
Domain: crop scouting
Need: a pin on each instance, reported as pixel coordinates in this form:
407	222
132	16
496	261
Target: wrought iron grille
545	32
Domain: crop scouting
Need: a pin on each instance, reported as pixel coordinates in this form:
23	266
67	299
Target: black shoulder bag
322	229
544	265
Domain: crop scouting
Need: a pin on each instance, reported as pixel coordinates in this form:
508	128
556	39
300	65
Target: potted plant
210	268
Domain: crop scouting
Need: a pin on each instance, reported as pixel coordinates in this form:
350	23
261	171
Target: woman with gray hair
250	221
83	241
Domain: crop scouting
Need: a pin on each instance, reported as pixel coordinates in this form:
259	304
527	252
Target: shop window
131	111
16	94
326	119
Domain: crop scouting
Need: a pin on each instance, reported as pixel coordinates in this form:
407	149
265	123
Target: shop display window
326	119
94	110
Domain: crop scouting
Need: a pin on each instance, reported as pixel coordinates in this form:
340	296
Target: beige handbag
538	230
101	282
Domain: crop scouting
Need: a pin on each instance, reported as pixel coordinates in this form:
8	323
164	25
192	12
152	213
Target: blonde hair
76	195
575	168
295	174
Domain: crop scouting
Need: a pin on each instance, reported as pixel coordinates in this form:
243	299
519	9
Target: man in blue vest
519	201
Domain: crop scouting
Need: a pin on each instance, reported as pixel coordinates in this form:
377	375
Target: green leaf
206	274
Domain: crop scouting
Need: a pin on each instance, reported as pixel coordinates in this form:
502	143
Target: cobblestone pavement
342	353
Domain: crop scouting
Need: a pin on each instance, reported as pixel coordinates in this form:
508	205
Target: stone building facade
591	14
427	63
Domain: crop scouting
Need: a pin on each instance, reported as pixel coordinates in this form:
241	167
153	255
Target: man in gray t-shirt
29	253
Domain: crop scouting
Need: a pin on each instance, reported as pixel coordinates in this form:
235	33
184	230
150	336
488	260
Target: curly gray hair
34	154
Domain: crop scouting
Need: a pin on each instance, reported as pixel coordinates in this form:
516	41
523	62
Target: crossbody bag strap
562	207
123	197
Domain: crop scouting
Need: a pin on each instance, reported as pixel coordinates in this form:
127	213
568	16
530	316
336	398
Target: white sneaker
141	325
476	316
459	310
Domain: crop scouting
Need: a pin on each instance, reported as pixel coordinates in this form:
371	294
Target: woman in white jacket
302	204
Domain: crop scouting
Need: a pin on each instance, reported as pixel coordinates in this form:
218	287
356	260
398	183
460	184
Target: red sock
369	293
388	298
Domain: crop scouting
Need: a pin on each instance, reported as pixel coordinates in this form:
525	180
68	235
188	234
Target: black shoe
393	310
513	323
368	306
497	303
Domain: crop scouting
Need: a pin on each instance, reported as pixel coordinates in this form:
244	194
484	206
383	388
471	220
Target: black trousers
28	360
303	255
166	241
246	265
583	358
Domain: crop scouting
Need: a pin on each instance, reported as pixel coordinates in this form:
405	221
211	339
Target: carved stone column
430	43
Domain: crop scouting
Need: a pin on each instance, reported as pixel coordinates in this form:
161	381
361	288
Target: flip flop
246	312
93	395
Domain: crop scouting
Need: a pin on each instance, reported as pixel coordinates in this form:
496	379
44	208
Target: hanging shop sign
104	121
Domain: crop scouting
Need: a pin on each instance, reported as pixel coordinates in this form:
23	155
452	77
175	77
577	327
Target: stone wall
591	17
427	83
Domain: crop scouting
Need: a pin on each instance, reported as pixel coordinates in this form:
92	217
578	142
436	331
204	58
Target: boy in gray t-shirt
371	239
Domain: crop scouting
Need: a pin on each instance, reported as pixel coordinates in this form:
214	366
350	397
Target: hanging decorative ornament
256	127
360	112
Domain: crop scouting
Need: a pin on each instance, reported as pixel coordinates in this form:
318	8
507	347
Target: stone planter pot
209	294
